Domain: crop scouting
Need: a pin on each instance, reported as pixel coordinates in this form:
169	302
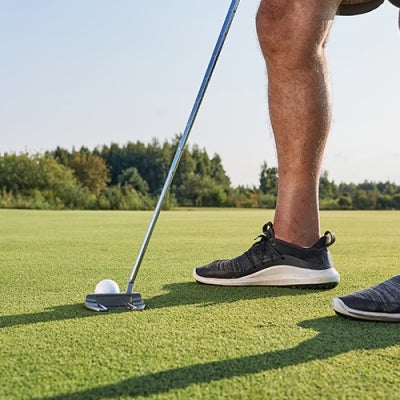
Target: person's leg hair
292	36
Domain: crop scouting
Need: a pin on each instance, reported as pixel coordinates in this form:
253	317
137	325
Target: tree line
131	177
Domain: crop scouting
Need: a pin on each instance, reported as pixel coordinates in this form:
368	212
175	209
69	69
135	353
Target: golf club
132	300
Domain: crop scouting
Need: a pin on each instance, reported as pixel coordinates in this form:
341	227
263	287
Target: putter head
104	301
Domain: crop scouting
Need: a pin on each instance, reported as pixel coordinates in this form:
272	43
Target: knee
286	35
273	29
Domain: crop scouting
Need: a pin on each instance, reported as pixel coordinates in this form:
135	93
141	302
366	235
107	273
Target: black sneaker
273	262
377	303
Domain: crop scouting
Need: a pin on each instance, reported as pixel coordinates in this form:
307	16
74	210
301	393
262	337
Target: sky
90	73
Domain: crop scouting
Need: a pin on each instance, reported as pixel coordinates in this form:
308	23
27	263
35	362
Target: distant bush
131	177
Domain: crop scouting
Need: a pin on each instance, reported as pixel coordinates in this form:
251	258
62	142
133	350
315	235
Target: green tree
328	190
131	177
269	180
344	202
90	170
364	199
39	181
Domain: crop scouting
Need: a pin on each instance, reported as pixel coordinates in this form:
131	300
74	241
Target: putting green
192	341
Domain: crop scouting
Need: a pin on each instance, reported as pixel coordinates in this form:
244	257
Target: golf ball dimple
107	286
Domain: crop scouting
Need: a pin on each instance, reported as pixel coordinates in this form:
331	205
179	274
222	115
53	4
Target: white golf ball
107	286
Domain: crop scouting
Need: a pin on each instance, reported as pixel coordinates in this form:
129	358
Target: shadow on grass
334	336
179	294
192	293
57	313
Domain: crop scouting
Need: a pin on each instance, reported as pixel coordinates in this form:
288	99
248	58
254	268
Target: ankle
303	235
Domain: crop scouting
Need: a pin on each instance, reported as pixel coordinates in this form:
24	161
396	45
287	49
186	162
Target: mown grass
192	341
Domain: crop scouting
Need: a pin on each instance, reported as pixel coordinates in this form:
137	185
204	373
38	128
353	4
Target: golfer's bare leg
292	37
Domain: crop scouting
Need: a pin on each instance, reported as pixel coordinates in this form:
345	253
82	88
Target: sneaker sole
341	309
281	275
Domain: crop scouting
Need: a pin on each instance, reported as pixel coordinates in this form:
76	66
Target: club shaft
184	138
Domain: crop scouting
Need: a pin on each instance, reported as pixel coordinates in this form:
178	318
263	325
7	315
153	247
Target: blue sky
93	72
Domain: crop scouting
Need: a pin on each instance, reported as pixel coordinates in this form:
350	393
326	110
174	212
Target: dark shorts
355	7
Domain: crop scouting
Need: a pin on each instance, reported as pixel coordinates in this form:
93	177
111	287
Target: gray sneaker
376	303
273	262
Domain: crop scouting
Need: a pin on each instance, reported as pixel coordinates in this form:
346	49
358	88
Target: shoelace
268	233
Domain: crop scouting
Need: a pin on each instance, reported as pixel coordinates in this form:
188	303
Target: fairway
192	341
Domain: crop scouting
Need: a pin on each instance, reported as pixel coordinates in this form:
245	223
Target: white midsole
280	275
341	308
